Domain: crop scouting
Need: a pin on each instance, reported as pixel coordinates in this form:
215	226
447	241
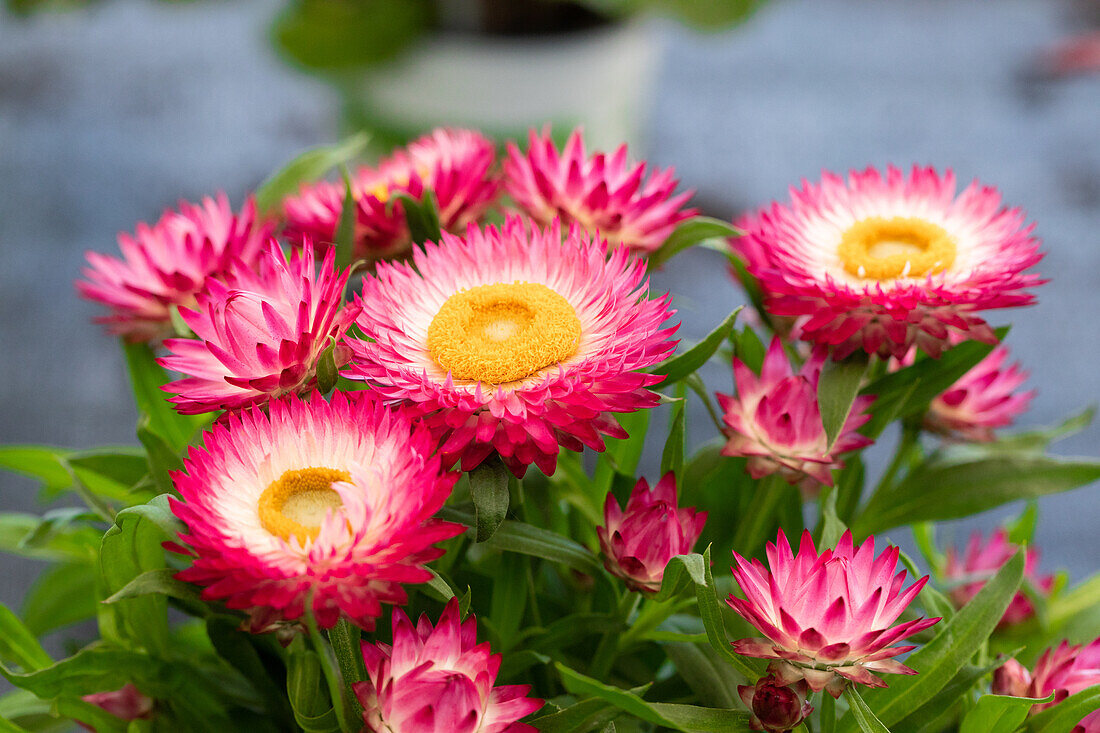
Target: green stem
608	648
752	531
910	435
344	637
696	384
331	669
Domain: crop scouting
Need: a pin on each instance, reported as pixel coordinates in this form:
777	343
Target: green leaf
37	461
345	227
1066	714
110	472
681	365
837	391
748	347
688	234
678	717
999	713
941	659
709	678
341	36
672	457
489	491
93	715
161	581
908	391
239	650
530	540
1038	440
6	726
941	489
63	595
683	572
868	723
146	379
711	612
306	690
131	547
162	458
587	715
72	543
832	529
422	217
942	703
305	168
707	15
92	669
327	373
509	599
18	645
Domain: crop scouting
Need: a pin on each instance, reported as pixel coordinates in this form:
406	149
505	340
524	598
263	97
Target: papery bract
981	561
827	617
126	703
439	680
884	262
602	193
775	421
982	399
166	265
1064	670
332	501
260	334
639	541
774	706
513	340
455	165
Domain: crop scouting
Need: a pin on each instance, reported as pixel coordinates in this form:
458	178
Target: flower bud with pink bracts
981	561
982	399
1064	670
639	541
827	617
776	707
125	703
439	680
775	421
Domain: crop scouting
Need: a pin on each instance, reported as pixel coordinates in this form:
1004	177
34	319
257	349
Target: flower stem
344	637
910	435
331	668
608	648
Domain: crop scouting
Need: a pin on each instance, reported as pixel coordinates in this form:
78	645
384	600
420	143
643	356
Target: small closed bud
125	703
775	707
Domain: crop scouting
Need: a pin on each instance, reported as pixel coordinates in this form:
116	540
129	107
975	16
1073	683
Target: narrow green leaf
65	594
345	227
161	581
922	719
708	677
999	713
681	365
584	716
489	491
509	598
956	641
688	234
162	459
18	645
146	378
72	543
327	373
530	540
711	612
868	723
92	669
837	391
6	726
240	650
37	461
1021	530
938	490
306	690
93	715
748	348
672	457
683	572
421	216
306	167
831	527
1066	714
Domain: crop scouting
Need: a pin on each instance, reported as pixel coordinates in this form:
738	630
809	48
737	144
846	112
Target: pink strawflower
983	399
981	562
260	334
638	543
439	680
774	706
126	703
1064	671
602	193
513	340
329	500
167	264
827	617
883	262
775	421
456	165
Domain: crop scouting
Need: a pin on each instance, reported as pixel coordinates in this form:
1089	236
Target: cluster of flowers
522	338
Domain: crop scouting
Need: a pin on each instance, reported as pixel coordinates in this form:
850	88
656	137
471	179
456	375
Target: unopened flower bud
775	707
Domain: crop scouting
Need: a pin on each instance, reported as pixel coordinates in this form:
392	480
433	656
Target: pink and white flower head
774	706
1063	671
167	264
638	543
883	262
439	680
776	422
981	562
329	501
827	618
602	193
261	333
983	399
126	703
513	340
456	165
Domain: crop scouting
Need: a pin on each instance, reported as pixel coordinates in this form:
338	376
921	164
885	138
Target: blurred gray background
108	115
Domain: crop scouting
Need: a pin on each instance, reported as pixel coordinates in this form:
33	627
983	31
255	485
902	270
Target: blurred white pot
503	85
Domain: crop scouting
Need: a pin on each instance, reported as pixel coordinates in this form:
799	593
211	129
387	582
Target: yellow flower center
504	332
380	191
294	505
885	249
